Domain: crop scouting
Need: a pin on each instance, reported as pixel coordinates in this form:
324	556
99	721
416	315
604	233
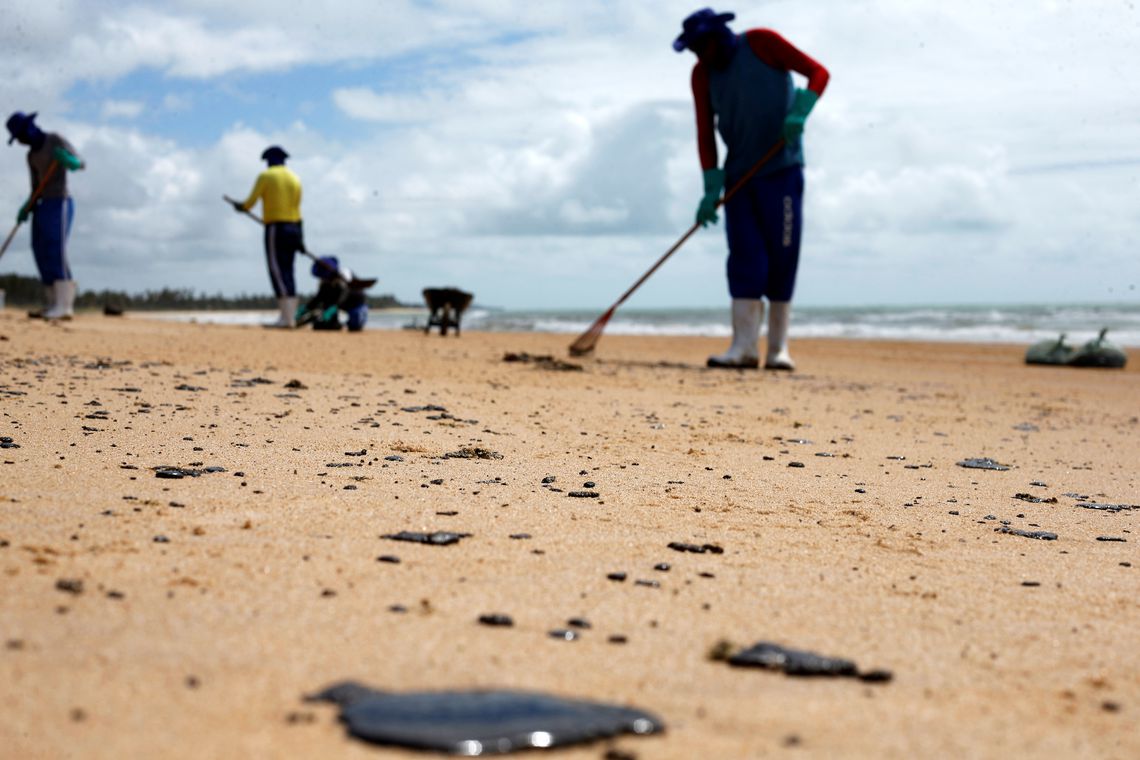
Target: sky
543	155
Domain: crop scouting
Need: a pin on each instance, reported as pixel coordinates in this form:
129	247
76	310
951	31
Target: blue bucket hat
326	267
700	23
19	124
275	154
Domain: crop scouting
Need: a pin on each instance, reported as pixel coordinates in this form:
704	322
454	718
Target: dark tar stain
679	546
985	463
475	723
497	620
1041	535
798	662
439	538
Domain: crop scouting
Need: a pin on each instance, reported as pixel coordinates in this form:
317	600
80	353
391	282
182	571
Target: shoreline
266	585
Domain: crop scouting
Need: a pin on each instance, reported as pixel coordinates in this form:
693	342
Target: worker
279	191
742	85
50	158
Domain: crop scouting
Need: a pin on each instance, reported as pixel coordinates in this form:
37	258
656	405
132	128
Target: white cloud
122	109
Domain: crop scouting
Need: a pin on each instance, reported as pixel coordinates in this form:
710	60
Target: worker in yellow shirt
279	191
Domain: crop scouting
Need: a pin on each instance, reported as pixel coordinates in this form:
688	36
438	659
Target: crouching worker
335	294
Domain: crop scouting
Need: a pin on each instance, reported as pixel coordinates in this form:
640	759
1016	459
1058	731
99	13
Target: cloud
122	109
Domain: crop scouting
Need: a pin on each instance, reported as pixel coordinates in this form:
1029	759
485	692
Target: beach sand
210	605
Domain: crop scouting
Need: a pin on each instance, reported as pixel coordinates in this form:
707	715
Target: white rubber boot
49	304
63	306
747	313
288	317
779	316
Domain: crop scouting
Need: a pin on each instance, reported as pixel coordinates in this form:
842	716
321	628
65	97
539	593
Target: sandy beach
186	618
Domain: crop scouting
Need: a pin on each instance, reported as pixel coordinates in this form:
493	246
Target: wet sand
154	617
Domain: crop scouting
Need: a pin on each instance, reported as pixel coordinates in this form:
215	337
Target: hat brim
686	38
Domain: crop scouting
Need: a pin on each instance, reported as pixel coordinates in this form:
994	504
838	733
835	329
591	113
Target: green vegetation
27	291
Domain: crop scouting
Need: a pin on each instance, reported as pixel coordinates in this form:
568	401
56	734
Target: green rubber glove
72	163
714	185
802	104
22	214
329	314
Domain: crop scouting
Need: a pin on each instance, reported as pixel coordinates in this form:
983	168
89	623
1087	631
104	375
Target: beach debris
1108	507
393	458
647	583
6	442
577	622
982	463
584	494
496	620
70	585
618	577
662	567
1027	427
798	662
188	387
424	408
473	452
1041	535
438	538
1035	499
1119	539
542	361
474	723
564	634
678	546
391	559
177	473
795	464
296	385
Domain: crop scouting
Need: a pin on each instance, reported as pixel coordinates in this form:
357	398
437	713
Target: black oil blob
474	723
797	662
497	620
1034	499
982	464
584	494
177	473
473	452
678	546
439	538
1042	535
1108	507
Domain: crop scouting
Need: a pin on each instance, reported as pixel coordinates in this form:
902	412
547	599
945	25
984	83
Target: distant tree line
28	291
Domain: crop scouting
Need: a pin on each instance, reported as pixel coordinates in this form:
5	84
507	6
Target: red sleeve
776	51
706	134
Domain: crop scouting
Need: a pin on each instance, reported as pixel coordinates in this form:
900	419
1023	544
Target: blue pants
51	223
282	242
763	222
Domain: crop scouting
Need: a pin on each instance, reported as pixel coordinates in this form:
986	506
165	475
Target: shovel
31	202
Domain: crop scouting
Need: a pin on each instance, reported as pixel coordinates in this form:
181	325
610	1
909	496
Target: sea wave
967	324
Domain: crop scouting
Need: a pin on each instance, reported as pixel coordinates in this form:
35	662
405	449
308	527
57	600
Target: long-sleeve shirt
279	191
748	100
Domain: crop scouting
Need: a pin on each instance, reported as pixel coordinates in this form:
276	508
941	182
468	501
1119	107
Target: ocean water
968	324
